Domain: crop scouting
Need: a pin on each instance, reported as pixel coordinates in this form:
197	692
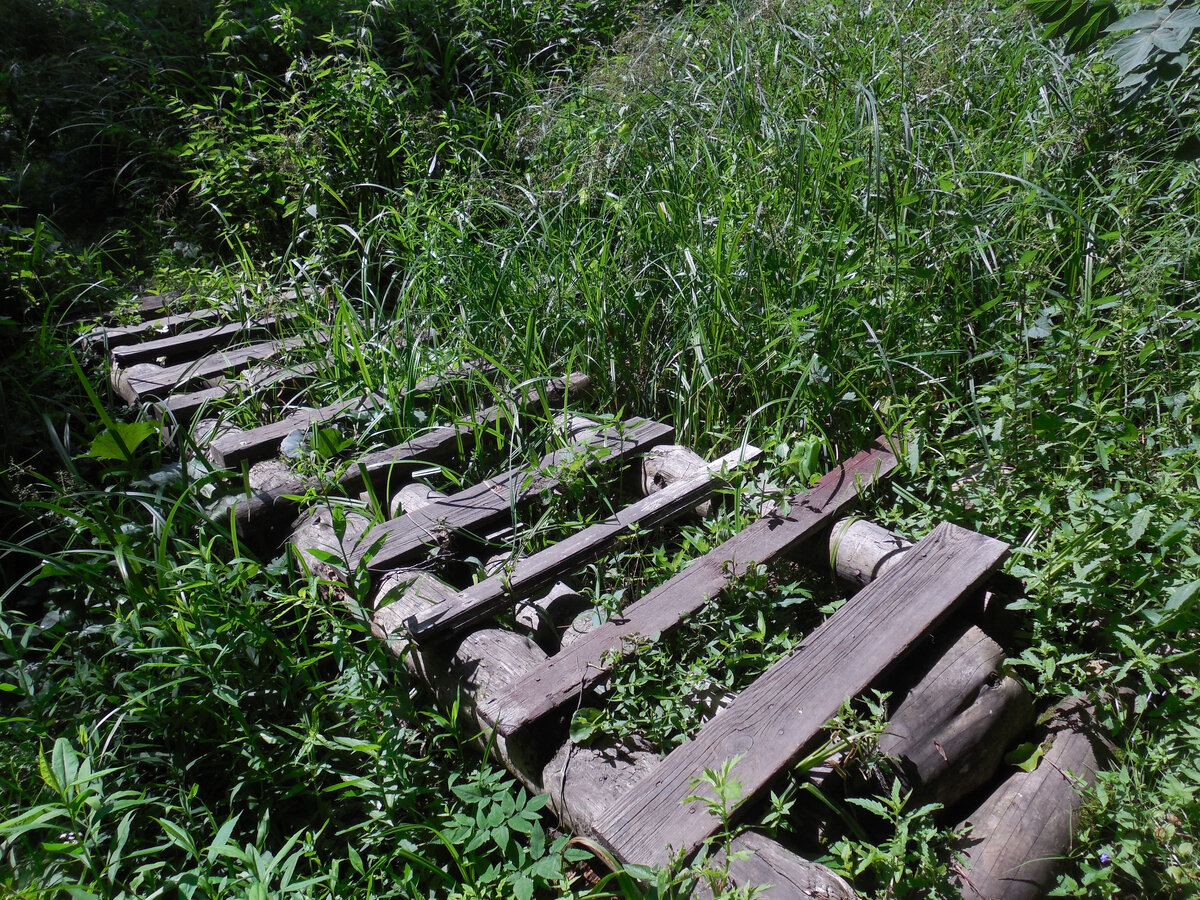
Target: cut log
546	616
1020	835
770	723
582	781
190	344
759	861
465	677
327	546
951	731
861	551
664	466
535	573
475	509
413	496
562	678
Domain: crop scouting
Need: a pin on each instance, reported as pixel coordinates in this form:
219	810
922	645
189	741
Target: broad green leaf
108	443
585	723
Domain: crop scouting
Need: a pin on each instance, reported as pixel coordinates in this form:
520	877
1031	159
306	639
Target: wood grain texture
263	441
540	570
263	512
585	663
1020	834
183	408
771	722
474	509
188	344
146	381
758	861
151	329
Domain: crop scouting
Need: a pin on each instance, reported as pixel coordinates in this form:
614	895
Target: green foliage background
806	221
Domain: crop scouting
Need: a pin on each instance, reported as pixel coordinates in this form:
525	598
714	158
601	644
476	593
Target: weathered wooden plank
188	344
262	513
768	725
122	335
542	569
263	442
183	408
147	381
585	663
403	540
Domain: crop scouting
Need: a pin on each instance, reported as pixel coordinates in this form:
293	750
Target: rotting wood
545	616
261	514
264	441
580	667
401	541
758	861
123	335
336	543
1021	834
463	676
769	724
664	466
189	344
951	731
536	572
183	408
148	381
582	781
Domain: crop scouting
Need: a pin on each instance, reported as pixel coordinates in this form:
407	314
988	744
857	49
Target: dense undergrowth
802	222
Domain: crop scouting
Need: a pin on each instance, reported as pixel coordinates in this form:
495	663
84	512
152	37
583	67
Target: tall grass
808	223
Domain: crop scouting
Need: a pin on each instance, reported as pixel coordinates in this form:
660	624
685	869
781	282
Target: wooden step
182	409
147	381
265	511
152	329
539	571
190	344
559	681
768	725
473	510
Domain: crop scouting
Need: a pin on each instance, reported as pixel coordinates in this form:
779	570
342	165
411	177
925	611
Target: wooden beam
264	511
147	381
404	540
560	679
121	335
183	408
189	344
542	569
768	725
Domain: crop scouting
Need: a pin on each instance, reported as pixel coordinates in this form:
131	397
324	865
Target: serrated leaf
1131	52
1137	525
1143	18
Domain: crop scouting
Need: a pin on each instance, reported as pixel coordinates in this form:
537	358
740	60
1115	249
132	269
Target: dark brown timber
474	509
263	512
189	344
183	408
163	326
767	726
560	680
146	381
537	572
